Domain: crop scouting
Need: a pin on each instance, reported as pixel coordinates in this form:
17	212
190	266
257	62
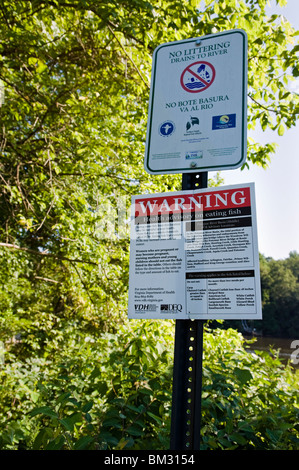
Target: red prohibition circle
203	84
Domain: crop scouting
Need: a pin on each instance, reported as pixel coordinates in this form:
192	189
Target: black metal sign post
187	372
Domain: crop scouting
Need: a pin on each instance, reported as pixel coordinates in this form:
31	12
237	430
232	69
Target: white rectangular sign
194	254
197	117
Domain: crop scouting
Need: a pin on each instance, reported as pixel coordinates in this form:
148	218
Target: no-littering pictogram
198	77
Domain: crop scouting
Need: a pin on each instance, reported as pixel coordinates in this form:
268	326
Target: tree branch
264	107
46	279
83	283
127	55
11	246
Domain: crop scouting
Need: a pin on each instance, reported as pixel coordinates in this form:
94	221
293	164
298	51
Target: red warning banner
206	201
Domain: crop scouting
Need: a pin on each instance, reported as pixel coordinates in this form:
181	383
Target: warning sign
194	254
198	77
197	117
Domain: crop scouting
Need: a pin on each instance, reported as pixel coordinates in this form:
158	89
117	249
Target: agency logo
145	308
166	129
194	154
171	308
194	121
224	121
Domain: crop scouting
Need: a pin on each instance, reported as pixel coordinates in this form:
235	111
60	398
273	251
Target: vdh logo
145	307
193	121
171	308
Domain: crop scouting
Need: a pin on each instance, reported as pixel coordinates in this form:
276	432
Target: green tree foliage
76	81
280	299
116	394
280	296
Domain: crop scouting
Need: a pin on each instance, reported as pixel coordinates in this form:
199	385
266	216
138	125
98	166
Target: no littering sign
198	77
197	84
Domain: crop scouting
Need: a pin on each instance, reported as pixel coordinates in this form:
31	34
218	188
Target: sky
277	187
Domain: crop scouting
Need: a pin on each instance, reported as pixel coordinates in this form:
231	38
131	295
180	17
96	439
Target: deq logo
171	308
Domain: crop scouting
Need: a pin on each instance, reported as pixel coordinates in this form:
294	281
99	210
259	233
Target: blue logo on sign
167	128
225	121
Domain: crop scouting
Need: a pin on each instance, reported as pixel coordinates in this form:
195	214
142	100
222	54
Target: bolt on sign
194	255
197	117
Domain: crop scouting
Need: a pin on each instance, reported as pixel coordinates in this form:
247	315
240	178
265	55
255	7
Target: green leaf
281	130
63	397
67	423
295	71
42	438
238	438
274	435
243	375
225	442
134	431
87	407
56	444
156	418
41	66
111	422
83	442
45	410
